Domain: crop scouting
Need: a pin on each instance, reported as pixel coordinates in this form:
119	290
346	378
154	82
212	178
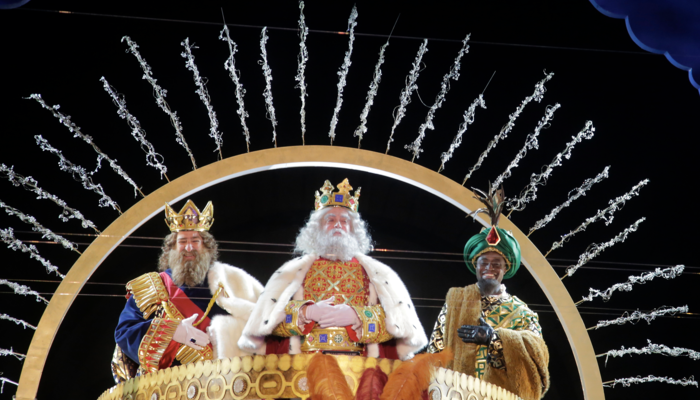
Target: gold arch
287	157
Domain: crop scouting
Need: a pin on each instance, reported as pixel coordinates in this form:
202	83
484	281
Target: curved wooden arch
288	157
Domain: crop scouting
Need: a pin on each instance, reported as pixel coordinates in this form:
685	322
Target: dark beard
189	273
489	287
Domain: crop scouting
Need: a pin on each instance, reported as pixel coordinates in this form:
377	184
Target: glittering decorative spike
405	97
8	236
666	273
32	185
37	227
453	74
79	173
468	120
22	289
371	94
301	68
3	380
529	193
606	214
343	72
160	93
235	76
6	352
267	93
203	95
536	96
24	324
638	315
652	349
627	382
153	159
73	128
530	143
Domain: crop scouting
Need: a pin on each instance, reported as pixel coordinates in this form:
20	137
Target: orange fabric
347	281
326	380
412	378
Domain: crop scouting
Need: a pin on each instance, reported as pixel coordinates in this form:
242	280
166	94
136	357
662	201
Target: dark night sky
640	104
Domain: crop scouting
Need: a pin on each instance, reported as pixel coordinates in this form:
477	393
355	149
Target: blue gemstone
338	198
372	327
323	338
288	319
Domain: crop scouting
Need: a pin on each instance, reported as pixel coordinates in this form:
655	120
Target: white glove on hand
190	336
341	315
317	311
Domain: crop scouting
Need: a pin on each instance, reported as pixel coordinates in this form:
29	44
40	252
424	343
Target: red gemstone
493	238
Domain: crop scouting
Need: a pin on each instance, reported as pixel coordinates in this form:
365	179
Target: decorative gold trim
148	291
289	157
336	339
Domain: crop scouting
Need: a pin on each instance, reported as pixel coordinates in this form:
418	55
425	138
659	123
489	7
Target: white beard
332	247
189	273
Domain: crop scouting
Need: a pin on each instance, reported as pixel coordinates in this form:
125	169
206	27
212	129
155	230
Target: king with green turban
494	336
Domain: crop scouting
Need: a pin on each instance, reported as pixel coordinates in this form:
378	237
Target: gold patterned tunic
348	282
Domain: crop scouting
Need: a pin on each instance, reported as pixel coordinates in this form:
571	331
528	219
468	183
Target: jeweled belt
330	339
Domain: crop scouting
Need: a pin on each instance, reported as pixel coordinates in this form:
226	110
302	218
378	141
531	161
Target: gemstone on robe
493	238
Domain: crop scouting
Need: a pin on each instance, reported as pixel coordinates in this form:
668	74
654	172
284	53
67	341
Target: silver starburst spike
160	93
301	68
203	95
453	74
652	348
24	324
536	96
468	120
530	143
529	193
405	96
371	94
8	236
6	352
32	185
153	159
267	93
22	289
666	273
5	380
37	227
627	382
73	128
235	76
79	173
638	315
607	214
343	72
596	248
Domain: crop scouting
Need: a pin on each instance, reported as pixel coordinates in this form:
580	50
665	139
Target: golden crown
189	218
341	198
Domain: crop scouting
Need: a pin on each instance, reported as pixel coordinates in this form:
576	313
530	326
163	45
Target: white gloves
327	314
190	336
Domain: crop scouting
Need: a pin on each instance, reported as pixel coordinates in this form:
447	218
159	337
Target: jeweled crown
341	198
189	218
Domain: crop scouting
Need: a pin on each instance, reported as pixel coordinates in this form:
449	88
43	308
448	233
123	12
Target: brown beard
192	272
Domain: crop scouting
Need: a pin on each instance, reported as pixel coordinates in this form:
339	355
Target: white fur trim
224	332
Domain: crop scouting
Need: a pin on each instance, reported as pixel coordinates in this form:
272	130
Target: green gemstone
368	314
324	199
293	332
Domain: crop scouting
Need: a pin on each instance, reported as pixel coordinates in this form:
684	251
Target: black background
642	107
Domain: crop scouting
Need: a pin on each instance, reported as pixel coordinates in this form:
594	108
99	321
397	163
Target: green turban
507	247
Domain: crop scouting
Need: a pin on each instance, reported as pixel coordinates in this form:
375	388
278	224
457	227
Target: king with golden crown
193	309
334	298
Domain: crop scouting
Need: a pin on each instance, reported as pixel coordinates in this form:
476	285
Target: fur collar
242	289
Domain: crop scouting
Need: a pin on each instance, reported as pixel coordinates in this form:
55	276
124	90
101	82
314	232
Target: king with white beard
334	298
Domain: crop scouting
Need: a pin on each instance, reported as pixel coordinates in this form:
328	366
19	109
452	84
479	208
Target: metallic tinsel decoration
666	273
267	93
22	289
606	214
153	159
32	185
6	352
530	143
66	121
529	193
2	383
652	349
24	324
160	94
79	173
8	236
37	227
578	192
627	382
468	120
343	72
235	75
638	315
203	95
405	96
536	96
453	74
301	68
371	94
596	248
